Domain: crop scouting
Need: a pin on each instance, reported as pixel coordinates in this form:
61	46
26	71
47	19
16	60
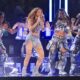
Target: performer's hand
47	24
5	26
38	20
41	23
72	20
11	30
15	25
63	50
78	33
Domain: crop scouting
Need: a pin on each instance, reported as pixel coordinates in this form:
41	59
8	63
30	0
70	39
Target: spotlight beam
50	10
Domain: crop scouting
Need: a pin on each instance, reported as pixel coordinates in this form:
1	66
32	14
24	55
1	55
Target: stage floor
13	68
20	75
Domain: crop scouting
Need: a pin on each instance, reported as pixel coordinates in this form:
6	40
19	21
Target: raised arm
31	26
42	25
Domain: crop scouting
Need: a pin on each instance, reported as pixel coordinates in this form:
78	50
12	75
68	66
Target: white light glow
9	63
66	6
59	4
50	10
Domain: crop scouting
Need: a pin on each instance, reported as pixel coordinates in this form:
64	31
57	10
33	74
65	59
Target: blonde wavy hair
32	15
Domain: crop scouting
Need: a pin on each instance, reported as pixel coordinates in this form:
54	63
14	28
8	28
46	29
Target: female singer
35	24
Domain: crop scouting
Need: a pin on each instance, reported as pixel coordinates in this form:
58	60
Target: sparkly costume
35	39
2	47
54	46
35	42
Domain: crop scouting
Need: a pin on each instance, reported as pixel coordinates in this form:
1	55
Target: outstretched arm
13	30
7	28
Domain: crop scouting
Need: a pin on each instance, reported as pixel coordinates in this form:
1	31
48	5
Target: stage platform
13	68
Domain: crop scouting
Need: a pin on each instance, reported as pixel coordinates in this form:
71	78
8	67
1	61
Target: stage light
59	4
9	63
66	6
50	10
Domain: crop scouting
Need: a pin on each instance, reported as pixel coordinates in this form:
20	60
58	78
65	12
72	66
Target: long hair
65	16
32	15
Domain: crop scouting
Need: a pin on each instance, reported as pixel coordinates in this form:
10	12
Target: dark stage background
16	10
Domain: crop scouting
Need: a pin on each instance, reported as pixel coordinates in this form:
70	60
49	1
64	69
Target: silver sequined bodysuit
35	39
2	47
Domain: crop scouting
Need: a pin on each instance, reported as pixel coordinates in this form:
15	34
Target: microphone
43	17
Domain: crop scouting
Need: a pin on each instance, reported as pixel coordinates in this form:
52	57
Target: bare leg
40	52
27	57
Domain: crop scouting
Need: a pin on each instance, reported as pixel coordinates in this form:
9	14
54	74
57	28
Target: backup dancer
3	28
75	48
58	43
